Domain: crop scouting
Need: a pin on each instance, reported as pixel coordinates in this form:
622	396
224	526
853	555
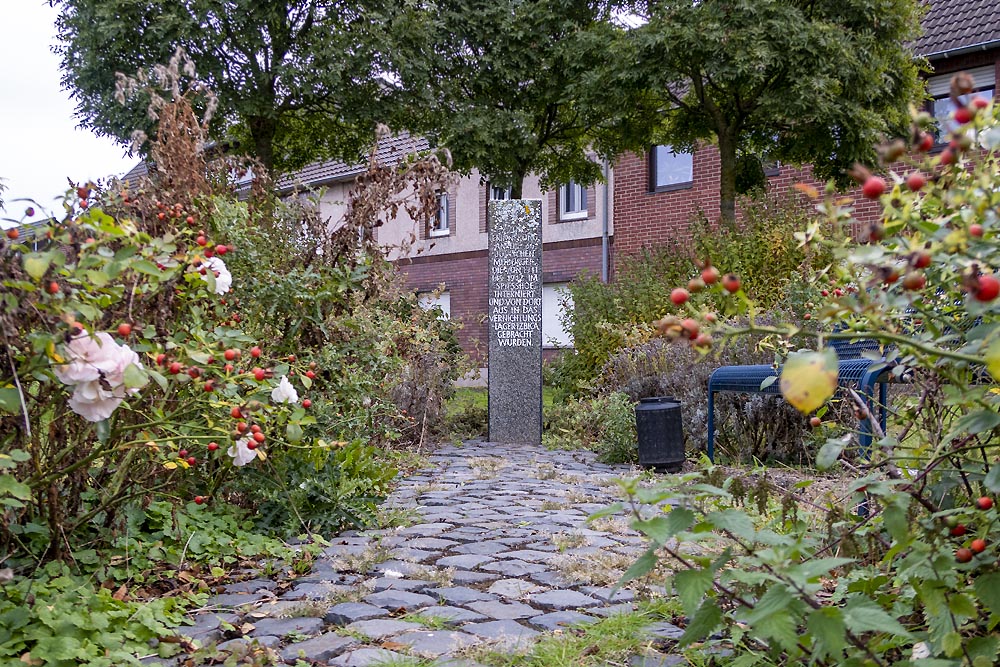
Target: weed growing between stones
487	467
564	541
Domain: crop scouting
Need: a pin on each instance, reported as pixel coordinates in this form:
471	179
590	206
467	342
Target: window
572	201
498	193
438	300
556	301
941	106
669	170
440	225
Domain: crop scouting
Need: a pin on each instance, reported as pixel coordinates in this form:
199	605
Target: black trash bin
660	433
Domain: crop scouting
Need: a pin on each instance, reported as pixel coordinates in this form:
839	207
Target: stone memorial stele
515	313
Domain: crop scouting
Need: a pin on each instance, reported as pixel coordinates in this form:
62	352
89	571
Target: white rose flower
95	367
284	392
223	278
242	454
93	402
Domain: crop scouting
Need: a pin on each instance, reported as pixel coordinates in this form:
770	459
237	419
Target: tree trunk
262	131
727	177
517	187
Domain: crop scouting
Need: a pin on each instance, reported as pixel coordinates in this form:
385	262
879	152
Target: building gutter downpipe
605	246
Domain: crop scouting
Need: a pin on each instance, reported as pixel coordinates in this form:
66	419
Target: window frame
670	187
563	198
441	224
505	191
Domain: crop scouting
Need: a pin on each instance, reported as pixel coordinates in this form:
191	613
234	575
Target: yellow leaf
261	454
170	465
992	359
50	351
808	379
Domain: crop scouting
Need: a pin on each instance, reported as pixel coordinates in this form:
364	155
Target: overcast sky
40	143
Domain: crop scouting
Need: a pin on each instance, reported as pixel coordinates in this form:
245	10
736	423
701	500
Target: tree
295	78
501	85
802	81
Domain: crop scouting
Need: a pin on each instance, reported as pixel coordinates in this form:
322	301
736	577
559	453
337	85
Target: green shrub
605	424
904	570
761	248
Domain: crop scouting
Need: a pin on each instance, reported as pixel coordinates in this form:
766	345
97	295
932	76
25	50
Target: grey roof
956	25
390	151
135	174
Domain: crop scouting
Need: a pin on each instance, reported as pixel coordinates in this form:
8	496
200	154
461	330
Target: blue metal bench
852	369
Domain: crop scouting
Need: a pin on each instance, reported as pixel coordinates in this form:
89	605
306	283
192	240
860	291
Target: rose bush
903	570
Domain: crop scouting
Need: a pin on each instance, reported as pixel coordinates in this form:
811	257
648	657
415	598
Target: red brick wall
649	219
466	278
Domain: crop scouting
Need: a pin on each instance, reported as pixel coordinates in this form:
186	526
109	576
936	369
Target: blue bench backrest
853	349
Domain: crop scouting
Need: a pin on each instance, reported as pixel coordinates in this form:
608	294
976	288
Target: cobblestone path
496	551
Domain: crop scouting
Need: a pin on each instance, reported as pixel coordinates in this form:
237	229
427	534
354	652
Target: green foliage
815	82
292	77
761	248
322	492
62	620
466	415
502	85
910	579
605	424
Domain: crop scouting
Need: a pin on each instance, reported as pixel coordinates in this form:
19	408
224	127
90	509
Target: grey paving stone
381	628
318	649
662	630
504	610
349	612
463	577
367	657
560	619
426	529
279	627
464	561
316	591
613	610
459	594
412	555
552	578
481	548
251	586
508	633
437	643
563	599
528	555
513	588
399	600
513	568
604	593
393	584
451	614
